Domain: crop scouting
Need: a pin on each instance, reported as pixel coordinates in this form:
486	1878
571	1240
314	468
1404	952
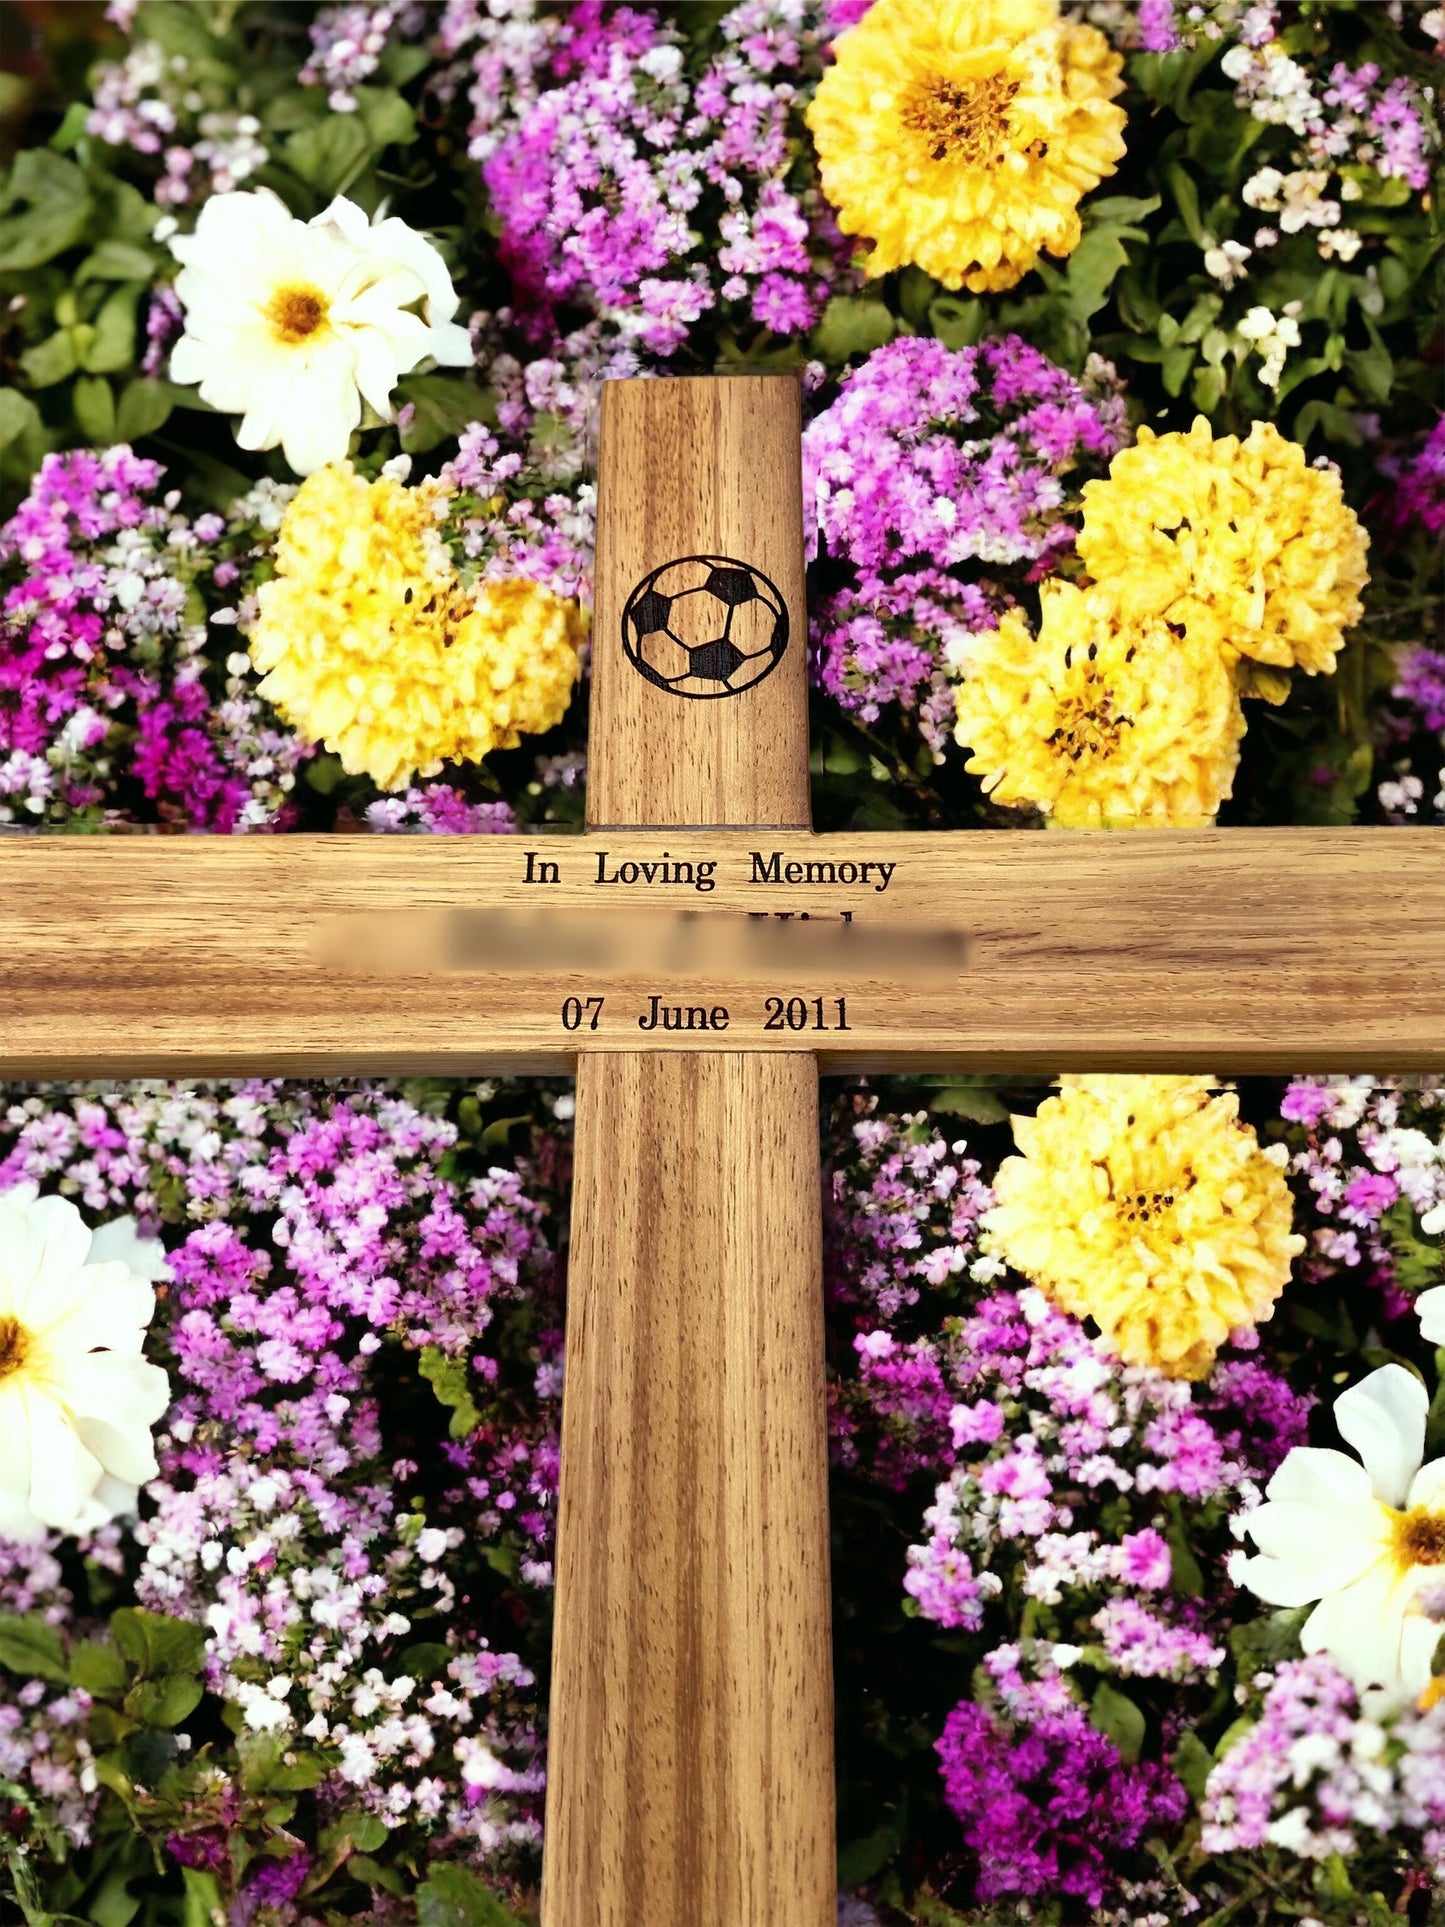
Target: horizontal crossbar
1229	951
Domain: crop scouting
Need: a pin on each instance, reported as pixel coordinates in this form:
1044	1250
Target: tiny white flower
1431	1307
291	324
1257	324
1363	1537
77	1399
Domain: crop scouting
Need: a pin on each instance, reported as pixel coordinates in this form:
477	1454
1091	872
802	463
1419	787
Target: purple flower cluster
1046	1428
103	692
167	104
1364	1148
326	1255
900	1224
1418	479
508	519
439	809
44	1752
929	465
1313	1774
348	40
1044	1799
1081	1529
605	161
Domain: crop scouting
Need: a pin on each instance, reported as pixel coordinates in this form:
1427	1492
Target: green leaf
32	1648
18	416
324	773
851	325
113	345
444	406
165	1701
453	1897
1116	1716
116	261
365	1831
1178	362
371	1873
862	1859
113	1905
957	320
203	1905
1186	1575
974	1101
97	1668
265	1769
50	361
155	1643
401	63
448	1379
94	406
329	155
1180	183
1191	1762
145	406
1093	267
58	213
387	118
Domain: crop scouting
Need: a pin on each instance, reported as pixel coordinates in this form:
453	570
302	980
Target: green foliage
453	1897
448	1378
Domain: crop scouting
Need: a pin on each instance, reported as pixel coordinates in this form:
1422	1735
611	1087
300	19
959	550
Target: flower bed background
1119	336
309	1684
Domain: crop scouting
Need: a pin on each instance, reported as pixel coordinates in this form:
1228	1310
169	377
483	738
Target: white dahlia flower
77	1399
291	324
1367	1540
1431	1307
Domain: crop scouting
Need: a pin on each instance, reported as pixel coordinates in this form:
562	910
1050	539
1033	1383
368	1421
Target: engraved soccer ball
705	626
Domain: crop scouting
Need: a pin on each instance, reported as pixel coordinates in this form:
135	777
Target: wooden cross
691	1762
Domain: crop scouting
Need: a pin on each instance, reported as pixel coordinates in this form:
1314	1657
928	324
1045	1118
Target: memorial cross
691	1768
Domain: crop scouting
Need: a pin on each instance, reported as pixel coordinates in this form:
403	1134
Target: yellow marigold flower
1242	544
961	134
373	646
1098	722
1145	1204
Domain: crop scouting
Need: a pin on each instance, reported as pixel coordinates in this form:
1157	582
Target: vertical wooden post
691	1758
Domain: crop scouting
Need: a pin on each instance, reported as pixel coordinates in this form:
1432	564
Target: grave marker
691	1759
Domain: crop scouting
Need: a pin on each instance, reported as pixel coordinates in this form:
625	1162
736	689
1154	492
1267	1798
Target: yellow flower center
1089	724
1417	1537
295	313
1433	1693
14	1346
960	120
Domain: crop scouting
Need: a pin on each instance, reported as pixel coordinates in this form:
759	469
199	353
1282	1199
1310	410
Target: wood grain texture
691	1758
690	1748
698	468
1227	950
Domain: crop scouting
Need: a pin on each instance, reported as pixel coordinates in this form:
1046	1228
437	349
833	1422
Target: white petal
1419	1638
1313	1550
111	1499
377	368
1431	1307
1317	1475
325	408
126	1395
1383	1417
451	345
118	1241
63	1474
1361	1627
393	241
1428	1485
51	1242
104	1305
14	1452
